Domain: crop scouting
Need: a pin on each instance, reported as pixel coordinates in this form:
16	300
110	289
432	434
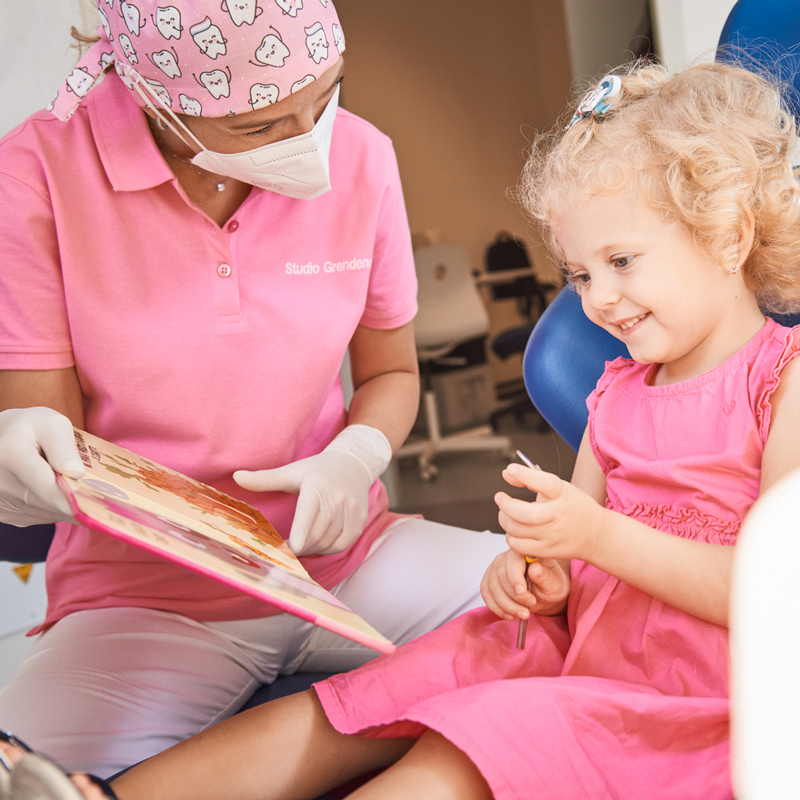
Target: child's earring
737	266
160	123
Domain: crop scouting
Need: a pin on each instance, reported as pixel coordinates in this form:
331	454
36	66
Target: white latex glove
333	487
33	443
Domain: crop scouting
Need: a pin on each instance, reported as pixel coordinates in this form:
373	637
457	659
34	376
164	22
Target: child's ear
744	242
738	252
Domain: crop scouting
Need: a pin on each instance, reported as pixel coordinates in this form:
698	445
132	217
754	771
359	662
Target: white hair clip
594	101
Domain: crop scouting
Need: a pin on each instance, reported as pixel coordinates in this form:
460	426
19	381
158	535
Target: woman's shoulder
359	127
41	143
364	140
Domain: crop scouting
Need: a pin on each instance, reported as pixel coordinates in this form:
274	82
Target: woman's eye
260	131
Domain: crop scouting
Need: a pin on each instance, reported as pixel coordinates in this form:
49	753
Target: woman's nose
304	121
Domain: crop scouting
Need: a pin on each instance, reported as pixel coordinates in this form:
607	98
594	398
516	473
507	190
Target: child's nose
602	292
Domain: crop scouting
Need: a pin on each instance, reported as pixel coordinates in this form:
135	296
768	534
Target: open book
203	529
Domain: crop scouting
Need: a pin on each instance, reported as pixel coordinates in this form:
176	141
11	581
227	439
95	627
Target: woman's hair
82	41
700	147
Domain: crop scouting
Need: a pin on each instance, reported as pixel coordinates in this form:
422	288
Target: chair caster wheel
427	472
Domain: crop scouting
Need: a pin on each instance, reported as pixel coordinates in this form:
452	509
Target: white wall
35	56
602	33
35	53
687	29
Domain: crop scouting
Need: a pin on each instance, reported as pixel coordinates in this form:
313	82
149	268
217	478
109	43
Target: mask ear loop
138	83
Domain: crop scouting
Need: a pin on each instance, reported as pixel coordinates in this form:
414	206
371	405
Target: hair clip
594	101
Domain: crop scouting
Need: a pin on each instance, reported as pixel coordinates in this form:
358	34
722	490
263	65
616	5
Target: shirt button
233	226
223	270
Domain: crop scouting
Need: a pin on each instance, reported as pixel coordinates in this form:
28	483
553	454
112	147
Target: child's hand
504	591
565	522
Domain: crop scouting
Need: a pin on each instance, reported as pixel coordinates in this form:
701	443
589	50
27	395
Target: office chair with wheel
509	275
451	314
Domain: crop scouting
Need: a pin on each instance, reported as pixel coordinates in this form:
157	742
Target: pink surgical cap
208	57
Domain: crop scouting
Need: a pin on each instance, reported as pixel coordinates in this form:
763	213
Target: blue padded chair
565	356
564	359
25	545
768	32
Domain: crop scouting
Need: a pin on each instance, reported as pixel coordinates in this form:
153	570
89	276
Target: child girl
673	207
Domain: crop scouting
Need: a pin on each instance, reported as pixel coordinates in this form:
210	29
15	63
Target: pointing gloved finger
305	520
281	479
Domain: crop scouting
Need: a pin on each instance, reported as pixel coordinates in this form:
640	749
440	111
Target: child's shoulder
779	412
621	368
760	361
780	346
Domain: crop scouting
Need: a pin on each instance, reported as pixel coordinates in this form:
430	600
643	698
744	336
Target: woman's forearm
388	402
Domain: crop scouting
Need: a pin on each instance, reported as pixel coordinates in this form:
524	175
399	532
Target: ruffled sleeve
791	349
610	374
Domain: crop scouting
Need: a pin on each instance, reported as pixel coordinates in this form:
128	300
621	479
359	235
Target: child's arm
690	575
693	576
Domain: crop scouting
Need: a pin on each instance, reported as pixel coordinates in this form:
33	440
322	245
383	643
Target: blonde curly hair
702	148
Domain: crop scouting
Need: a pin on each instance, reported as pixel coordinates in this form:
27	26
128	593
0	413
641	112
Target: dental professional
189	247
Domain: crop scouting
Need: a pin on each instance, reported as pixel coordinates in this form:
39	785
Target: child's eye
622	262
577	279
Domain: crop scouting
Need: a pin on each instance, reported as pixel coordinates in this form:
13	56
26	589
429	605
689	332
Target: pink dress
624	696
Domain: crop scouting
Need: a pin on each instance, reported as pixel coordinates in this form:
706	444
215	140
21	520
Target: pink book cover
194	525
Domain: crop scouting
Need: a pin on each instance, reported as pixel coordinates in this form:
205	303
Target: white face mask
296	167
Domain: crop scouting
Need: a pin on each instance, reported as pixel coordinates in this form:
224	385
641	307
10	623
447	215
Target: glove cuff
368	445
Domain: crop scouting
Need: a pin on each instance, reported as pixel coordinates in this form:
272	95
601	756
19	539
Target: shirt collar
127	149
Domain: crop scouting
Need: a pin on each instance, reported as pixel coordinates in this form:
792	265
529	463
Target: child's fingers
503	587
523	512
536	480
501	603
546	575
502	606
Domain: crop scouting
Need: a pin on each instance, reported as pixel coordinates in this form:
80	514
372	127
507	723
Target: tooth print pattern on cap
208	57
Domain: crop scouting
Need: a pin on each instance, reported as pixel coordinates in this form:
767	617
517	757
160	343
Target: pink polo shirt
206	349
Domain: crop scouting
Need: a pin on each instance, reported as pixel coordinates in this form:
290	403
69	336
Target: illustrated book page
194	525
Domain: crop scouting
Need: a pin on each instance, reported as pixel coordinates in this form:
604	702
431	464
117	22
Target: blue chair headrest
767	34
563	361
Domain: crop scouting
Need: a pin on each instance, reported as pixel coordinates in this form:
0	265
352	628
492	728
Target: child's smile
644	280
628	324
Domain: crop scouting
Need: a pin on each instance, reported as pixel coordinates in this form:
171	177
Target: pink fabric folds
625	697
206	58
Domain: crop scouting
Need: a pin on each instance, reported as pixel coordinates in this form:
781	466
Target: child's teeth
630	324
